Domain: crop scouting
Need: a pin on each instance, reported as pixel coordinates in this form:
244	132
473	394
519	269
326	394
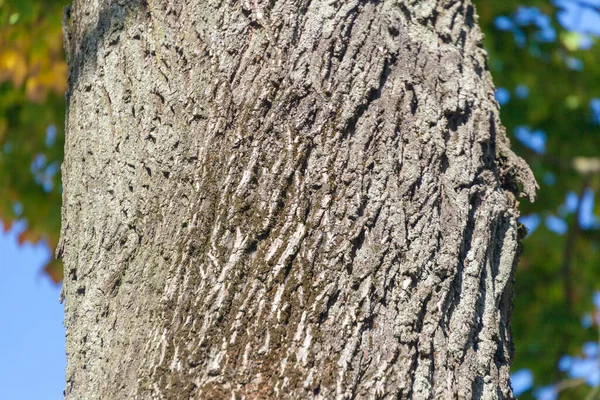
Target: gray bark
286	199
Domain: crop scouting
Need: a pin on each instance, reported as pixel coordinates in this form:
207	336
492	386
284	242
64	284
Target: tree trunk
286	199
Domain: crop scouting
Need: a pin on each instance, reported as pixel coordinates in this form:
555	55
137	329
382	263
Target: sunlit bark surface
286	199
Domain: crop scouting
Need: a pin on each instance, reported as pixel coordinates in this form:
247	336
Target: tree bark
286	199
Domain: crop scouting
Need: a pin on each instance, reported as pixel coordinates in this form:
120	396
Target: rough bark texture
286	199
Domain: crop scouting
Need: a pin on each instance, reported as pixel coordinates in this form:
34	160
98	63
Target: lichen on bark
286	199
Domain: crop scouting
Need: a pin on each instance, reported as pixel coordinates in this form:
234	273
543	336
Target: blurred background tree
32	108
546	66
545	61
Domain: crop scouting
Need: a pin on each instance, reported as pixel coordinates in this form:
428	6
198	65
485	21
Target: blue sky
32	333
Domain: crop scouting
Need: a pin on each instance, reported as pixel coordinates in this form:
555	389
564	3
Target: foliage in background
545	61
32	86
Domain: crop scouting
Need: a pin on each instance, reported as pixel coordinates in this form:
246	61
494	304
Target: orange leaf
30	236
36	92
54	269
7	224
13	66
